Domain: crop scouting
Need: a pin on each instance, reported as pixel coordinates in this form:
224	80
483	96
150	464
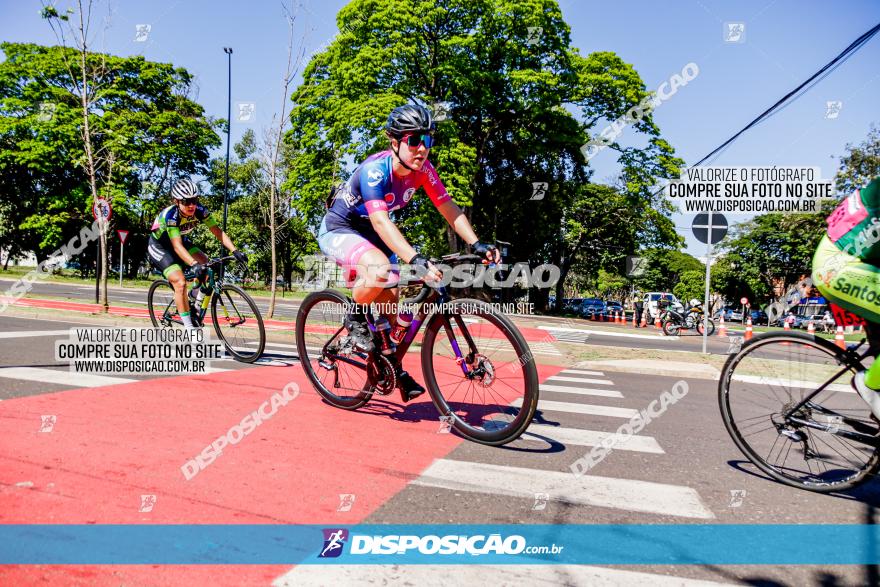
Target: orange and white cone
620	319
811	328
657	321
722	329
839	340
786	326
644	323
749	333
635	324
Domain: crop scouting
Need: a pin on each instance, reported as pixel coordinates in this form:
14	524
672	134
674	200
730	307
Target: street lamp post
228	51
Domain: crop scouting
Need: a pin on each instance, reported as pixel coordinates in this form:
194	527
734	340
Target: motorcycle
692	319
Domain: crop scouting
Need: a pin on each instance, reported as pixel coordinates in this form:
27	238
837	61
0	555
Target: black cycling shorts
163	257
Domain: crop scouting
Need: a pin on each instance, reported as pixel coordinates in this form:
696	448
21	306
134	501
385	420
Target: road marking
579	437
29	333
571	408
321	575
582	380
761	380
60	377
585	333
590	490
583	372
581	390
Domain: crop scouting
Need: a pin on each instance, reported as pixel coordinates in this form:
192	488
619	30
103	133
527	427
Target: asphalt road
395	460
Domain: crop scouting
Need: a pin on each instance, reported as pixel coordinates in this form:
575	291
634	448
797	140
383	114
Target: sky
784	42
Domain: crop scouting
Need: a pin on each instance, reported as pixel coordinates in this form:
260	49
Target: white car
651	299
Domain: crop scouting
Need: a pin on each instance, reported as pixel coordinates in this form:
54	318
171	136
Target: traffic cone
786	326
839	340
657	321
811	328
749	333
617	318
722	329
644	323
635	324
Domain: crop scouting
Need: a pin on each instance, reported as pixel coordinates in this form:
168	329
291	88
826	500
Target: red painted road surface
111	445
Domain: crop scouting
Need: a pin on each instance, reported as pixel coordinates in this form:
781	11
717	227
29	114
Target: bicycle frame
437	295
853	362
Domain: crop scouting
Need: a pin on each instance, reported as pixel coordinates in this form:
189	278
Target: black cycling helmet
409	118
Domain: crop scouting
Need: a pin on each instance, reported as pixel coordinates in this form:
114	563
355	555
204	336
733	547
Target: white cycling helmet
695	302
184	188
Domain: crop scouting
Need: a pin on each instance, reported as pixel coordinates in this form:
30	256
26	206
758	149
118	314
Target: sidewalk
653	367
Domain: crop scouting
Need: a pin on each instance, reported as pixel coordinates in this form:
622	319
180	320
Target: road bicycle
478	369
787	402
235	316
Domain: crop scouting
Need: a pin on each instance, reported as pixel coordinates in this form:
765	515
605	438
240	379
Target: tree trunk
274	246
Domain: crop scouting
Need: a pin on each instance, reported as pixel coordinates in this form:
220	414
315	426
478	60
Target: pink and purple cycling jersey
374	188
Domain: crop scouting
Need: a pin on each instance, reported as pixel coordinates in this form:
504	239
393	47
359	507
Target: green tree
145	132
519	106
861	163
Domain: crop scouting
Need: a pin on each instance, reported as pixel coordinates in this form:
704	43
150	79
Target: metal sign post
710	229
123	234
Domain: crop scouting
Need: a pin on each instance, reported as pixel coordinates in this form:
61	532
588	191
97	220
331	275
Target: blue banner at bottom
441	544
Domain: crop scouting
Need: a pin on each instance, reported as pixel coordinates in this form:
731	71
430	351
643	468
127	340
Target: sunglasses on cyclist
415	140
190	201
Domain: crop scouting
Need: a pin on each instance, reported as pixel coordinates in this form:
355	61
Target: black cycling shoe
409	387
359	334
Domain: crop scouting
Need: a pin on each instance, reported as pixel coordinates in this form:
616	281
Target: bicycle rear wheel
161	305
337	371
496	401
829	443
238	323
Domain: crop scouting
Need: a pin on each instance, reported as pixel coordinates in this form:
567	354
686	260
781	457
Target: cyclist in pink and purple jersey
358	233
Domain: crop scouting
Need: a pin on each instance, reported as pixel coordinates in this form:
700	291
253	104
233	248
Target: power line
792	95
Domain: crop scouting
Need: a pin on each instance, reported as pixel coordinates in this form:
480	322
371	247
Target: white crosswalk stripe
587	490
61	377
557	378
583	372
623	493
580	390
573	408
499	575
580	437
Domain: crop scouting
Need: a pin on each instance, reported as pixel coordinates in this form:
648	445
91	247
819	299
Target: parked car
730	314
794	320
571	304
651	300
612	307
758	317
592	308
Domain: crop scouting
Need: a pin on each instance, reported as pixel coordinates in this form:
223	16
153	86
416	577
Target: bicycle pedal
327	365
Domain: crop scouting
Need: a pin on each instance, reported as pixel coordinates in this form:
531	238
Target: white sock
187	320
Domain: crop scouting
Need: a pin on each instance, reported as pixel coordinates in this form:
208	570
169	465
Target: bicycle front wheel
827	444
238	323
480	372
161	305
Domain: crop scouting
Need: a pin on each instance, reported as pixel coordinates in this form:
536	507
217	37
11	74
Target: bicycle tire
530	400
346	403
871	465
241	357
151	294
